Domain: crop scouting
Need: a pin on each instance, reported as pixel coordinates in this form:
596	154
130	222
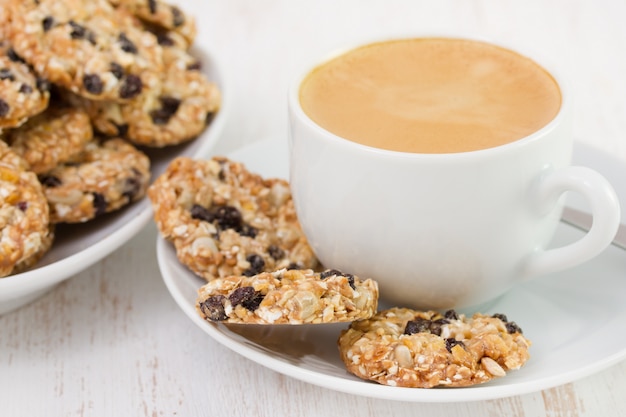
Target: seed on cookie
224	220
288	297
424	349
103	178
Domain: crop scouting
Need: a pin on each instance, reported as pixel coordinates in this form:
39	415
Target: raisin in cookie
407	348
51	138
224	220
104	178
24	215
288	297
22	93
86	46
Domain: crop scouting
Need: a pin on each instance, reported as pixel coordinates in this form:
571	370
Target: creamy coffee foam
430	95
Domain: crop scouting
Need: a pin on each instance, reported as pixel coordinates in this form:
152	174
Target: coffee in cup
438	166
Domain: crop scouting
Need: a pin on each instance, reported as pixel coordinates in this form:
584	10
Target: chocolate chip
213	308
93	84
43	85
169	107
26	89
50	181
293	265
256	265
451	315
99	204
178	18
22	205
78	31
6	74
247	297
131	86
47	23
4	108
126	44
418	325
452	342
276	252
152	5
117	70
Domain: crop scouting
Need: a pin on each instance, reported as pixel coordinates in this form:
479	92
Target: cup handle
604	208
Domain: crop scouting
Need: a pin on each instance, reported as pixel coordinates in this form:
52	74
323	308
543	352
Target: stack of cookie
84	84
239	232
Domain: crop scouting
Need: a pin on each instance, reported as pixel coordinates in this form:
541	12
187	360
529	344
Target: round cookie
51	138
224	220
104	178
163	15
24	215
288	297
407	348
86	46
176	112
22	93
28	263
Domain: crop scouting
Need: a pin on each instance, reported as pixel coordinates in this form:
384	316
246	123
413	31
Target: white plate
574	318
79	246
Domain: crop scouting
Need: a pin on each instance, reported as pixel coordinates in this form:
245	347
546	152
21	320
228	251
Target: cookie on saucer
288	297
424	349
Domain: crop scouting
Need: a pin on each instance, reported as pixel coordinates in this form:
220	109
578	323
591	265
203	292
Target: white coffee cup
452	230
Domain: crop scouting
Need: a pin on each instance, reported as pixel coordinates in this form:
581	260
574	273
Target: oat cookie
176	112
407	348
86	46
46	244
288	297
104	178
51	138
24	215
22	93
224	220
162	15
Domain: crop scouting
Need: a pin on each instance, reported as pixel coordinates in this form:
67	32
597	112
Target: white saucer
78	246
574	319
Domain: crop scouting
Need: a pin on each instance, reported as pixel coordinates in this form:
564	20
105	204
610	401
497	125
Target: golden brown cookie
104	178
224	220
424	349
288	297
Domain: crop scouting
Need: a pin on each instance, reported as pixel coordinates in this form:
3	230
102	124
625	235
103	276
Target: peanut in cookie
425	349
288	297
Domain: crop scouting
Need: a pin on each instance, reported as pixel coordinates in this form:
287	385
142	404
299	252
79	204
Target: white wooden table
111	341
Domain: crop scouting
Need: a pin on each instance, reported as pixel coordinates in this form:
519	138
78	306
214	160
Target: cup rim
541	60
